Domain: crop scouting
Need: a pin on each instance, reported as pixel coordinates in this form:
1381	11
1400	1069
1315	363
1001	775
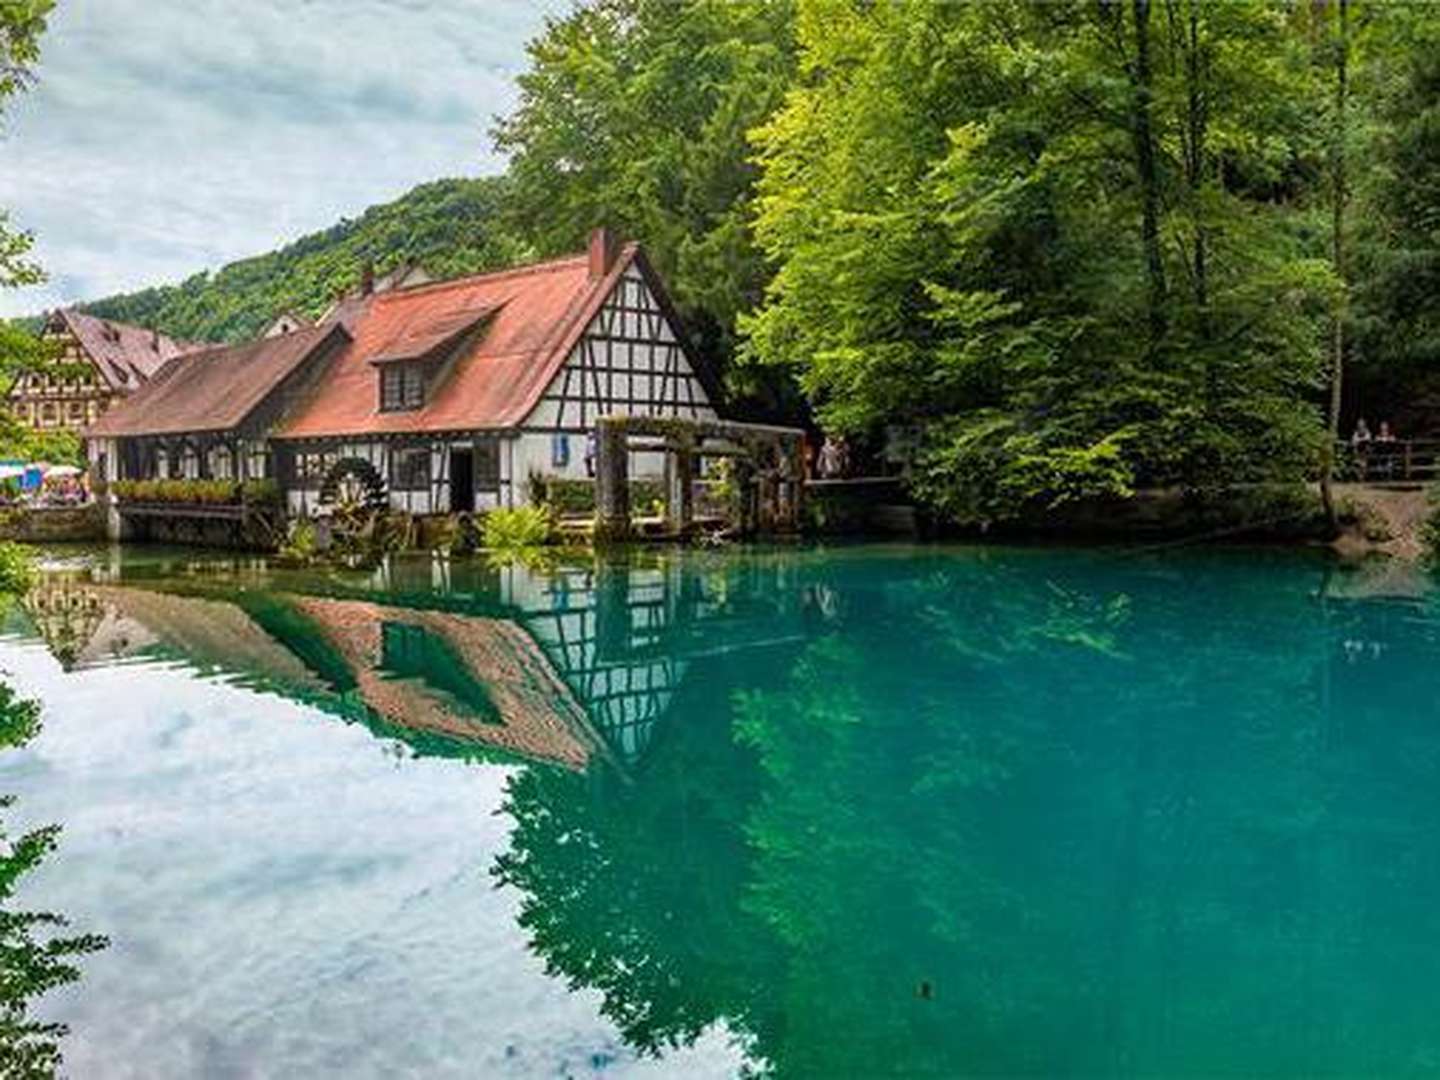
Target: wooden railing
1390	461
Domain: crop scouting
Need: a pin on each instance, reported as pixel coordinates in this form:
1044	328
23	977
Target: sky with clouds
171	136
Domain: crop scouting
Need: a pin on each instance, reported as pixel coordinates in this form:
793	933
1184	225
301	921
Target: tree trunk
1143	80
1197	120
1339	203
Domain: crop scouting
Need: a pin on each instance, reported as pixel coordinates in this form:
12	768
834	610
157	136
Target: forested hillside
450	227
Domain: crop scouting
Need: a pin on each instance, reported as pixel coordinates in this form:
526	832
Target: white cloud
171	136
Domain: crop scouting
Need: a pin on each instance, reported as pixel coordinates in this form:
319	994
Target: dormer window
402	386
419	359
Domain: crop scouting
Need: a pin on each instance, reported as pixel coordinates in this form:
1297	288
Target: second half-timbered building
100	362
453	394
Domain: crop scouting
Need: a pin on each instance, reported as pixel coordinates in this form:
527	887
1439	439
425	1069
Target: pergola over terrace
768	471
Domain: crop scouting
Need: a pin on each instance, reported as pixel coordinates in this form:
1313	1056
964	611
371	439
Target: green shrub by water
300	545
517	528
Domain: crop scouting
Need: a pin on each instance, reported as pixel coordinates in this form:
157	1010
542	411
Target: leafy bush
566	496
17	567
394	532
451	533
517	528
980	471
300	546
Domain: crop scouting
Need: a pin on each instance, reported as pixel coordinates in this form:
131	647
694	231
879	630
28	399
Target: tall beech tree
635	113
977	215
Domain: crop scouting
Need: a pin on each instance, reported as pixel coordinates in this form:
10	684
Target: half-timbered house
456	393
211	414
101	361
453	394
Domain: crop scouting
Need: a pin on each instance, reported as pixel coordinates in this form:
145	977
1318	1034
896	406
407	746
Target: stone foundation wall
53	524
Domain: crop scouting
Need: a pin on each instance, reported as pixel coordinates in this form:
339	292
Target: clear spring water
861	811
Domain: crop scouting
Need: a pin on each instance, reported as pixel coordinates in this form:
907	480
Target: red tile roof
126	356
539	312
216	389
437	336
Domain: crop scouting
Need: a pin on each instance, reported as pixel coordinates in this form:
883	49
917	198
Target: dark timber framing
626	345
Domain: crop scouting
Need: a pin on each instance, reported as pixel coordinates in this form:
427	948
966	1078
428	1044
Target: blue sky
171	136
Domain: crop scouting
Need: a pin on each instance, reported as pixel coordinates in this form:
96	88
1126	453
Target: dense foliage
635	114
448	227
1049	235
1397	273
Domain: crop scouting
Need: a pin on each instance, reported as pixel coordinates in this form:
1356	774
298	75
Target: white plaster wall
415	502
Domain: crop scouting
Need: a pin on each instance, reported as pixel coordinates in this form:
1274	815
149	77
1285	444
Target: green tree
22	22
1058	237
634	113
36	956
1395	311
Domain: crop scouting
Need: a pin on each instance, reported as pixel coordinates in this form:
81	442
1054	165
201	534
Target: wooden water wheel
354	492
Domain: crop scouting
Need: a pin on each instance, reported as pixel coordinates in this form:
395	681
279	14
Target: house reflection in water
560	666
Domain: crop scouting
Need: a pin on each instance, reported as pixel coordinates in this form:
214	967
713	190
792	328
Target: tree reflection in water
1021	815
35	955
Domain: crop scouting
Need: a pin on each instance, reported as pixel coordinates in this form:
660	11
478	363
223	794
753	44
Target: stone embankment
52	524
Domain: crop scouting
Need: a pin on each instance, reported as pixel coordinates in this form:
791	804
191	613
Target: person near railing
1384	451
1360	440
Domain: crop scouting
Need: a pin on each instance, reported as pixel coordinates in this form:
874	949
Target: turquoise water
869	811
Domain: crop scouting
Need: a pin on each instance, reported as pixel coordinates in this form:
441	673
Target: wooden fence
1414	461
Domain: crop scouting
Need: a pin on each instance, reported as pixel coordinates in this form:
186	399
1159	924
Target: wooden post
612	481
794	457
680	484
744	476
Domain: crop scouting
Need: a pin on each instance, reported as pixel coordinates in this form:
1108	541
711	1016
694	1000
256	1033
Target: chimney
603	249
155	340
367	277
